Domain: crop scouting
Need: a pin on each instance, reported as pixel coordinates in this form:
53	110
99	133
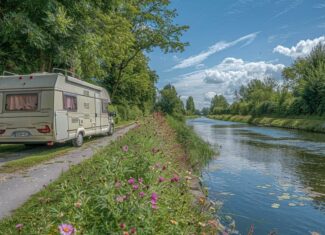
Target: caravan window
104	106
70	103
22	102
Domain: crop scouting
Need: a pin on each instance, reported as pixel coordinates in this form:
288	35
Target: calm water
271	178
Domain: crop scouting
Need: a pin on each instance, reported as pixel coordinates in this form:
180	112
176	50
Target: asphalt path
16	188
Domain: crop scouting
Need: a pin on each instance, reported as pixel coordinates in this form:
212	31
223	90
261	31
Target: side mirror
112	114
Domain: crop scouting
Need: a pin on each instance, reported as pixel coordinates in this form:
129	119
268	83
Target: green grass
7	148
39	157
194	145
313	124
33	159
86	196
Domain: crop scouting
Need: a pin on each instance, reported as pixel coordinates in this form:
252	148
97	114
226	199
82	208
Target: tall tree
190	106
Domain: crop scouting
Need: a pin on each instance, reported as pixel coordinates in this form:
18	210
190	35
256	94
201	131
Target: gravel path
16	188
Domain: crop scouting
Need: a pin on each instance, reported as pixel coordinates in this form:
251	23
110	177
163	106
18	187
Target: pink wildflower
131	181
122	226
135	187
140	180
125	148
19	226
133	230
174	179
161	179
67	229
141	194
154	206
154	196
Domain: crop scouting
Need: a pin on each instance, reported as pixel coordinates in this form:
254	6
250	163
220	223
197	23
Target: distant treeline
301	92
104	42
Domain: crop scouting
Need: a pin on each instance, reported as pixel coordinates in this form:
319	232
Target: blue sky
235	41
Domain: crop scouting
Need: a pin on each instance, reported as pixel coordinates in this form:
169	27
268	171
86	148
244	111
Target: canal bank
140	184
313	125
269	179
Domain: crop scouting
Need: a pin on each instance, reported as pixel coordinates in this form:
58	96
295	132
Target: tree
219	105
169	102
307	79
205	111
190	106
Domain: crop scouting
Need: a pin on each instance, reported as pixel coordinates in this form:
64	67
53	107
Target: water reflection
272	178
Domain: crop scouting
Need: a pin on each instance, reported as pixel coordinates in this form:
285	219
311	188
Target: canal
267	178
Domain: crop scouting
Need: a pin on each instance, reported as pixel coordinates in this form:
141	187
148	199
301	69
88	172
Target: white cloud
209	96
219	46
302	49
224	79
293	4
320	6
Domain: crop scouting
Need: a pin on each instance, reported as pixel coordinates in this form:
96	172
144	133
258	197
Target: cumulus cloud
319	6
302	49
209	96
219	46
224	79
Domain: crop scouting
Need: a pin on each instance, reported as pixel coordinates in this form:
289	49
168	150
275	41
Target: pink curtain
70	102
23	102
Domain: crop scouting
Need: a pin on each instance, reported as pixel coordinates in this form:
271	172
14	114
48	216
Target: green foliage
170	103
193	144
102	41
219	105
190	106
96	198
302	92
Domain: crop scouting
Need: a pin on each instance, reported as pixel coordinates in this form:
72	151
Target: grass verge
198	153
136	185
43	155
33	159
312	124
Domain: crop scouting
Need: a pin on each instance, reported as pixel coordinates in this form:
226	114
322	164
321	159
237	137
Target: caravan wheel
77	142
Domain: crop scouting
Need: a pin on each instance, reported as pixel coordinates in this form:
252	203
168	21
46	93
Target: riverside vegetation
139	184
296	102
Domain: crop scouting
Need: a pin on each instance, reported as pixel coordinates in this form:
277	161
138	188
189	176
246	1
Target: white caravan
52	108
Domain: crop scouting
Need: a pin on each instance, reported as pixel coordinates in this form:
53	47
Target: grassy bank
40	155
307	124
138	184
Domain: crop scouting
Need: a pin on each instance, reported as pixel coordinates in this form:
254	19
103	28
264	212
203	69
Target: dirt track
16	188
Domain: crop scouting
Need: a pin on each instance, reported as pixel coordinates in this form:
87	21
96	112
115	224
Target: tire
77	142
111	130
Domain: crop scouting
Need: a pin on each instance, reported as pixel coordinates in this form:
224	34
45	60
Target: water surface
273	179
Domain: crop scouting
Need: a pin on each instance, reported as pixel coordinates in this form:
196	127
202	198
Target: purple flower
131	181
125	148
140	180
154	196
161	179
135	187
67	229
141	194
174	179
19	226
154	206
133	230
122	226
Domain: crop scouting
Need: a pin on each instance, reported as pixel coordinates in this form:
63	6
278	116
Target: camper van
52	108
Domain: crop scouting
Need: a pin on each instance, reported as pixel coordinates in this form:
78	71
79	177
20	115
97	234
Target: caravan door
61	125
97	115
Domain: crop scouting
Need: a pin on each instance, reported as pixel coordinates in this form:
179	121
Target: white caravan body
50	108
